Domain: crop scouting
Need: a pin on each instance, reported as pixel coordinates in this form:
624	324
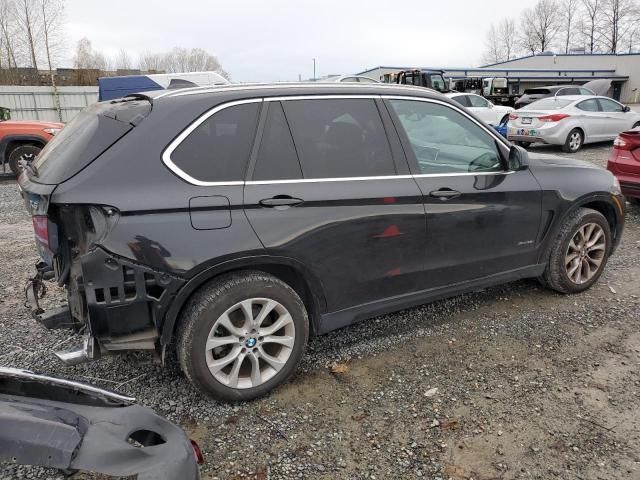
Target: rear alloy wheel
579	253
242	336
28	153
574	141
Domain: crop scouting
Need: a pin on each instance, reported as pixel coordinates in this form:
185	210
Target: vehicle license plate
526	120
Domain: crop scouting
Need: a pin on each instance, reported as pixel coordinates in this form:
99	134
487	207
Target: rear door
592	119
330	191
481	219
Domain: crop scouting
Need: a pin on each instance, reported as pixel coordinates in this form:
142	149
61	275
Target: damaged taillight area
46	234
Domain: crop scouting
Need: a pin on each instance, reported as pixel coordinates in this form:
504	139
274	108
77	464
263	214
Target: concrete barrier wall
38	103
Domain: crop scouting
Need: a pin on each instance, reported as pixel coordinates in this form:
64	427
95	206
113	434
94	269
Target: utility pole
314	69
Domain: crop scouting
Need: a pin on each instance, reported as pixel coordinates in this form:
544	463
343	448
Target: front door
616	120
481	219
329	191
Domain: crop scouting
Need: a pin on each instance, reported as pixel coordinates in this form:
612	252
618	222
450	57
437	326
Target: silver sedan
571	121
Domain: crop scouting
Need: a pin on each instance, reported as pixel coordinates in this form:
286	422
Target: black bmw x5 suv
233	222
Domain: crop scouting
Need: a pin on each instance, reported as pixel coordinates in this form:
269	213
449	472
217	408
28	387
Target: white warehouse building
548	69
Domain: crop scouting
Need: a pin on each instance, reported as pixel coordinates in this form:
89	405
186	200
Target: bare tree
507	37
541	25
123	60
149	61
570	10
589	24
528	39
617	20
30	23
52	16
87	59
8	31
493	48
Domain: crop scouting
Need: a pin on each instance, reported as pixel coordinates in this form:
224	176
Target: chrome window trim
381	177
166	154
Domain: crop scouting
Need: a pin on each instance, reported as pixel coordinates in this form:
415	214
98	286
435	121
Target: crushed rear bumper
70	426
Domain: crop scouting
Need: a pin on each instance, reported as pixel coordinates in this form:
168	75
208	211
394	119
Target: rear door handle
445	194
281	201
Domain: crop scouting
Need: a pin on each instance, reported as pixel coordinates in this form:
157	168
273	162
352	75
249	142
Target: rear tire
523	144
574	141
225	344
22	152
579	252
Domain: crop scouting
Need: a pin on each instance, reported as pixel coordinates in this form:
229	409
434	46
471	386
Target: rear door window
277	158
218	149
590	105
339	138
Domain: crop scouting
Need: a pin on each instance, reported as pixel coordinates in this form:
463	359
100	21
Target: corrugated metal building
531	71
38	103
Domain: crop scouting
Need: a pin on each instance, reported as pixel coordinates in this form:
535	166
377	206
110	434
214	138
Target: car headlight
52	131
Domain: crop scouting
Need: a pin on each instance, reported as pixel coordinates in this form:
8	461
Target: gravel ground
512	382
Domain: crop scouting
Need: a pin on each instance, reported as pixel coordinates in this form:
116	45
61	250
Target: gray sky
276	39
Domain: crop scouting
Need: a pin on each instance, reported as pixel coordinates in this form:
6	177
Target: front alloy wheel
579	252
585	253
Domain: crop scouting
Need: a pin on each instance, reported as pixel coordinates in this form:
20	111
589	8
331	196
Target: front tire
579	252
22	152
242	335
574	141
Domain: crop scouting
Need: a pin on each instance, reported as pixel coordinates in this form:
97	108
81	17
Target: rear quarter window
218	149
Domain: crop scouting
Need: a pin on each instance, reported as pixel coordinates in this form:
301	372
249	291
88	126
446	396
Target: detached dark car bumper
69	426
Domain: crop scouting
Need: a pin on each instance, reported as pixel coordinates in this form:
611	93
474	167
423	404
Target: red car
624	163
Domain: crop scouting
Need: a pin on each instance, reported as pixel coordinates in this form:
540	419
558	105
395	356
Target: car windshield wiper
25	165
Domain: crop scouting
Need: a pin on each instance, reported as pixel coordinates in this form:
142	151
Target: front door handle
281	201
445	194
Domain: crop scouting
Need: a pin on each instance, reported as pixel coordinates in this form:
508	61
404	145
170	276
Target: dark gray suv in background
236	221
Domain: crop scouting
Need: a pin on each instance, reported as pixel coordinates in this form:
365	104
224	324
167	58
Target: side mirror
626	108
518	158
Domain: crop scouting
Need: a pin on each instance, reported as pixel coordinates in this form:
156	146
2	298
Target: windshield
436	81
548	104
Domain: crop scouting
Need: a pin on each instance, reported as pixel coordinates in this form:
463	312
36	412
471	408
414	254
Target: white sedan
571	121
482	108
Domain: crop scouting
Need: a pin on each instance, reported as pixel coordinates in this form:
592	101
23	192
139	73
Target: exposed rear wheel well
285	273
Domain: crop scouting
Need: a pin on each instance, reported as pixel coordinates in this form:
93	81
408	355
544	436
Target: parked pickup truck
23	140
